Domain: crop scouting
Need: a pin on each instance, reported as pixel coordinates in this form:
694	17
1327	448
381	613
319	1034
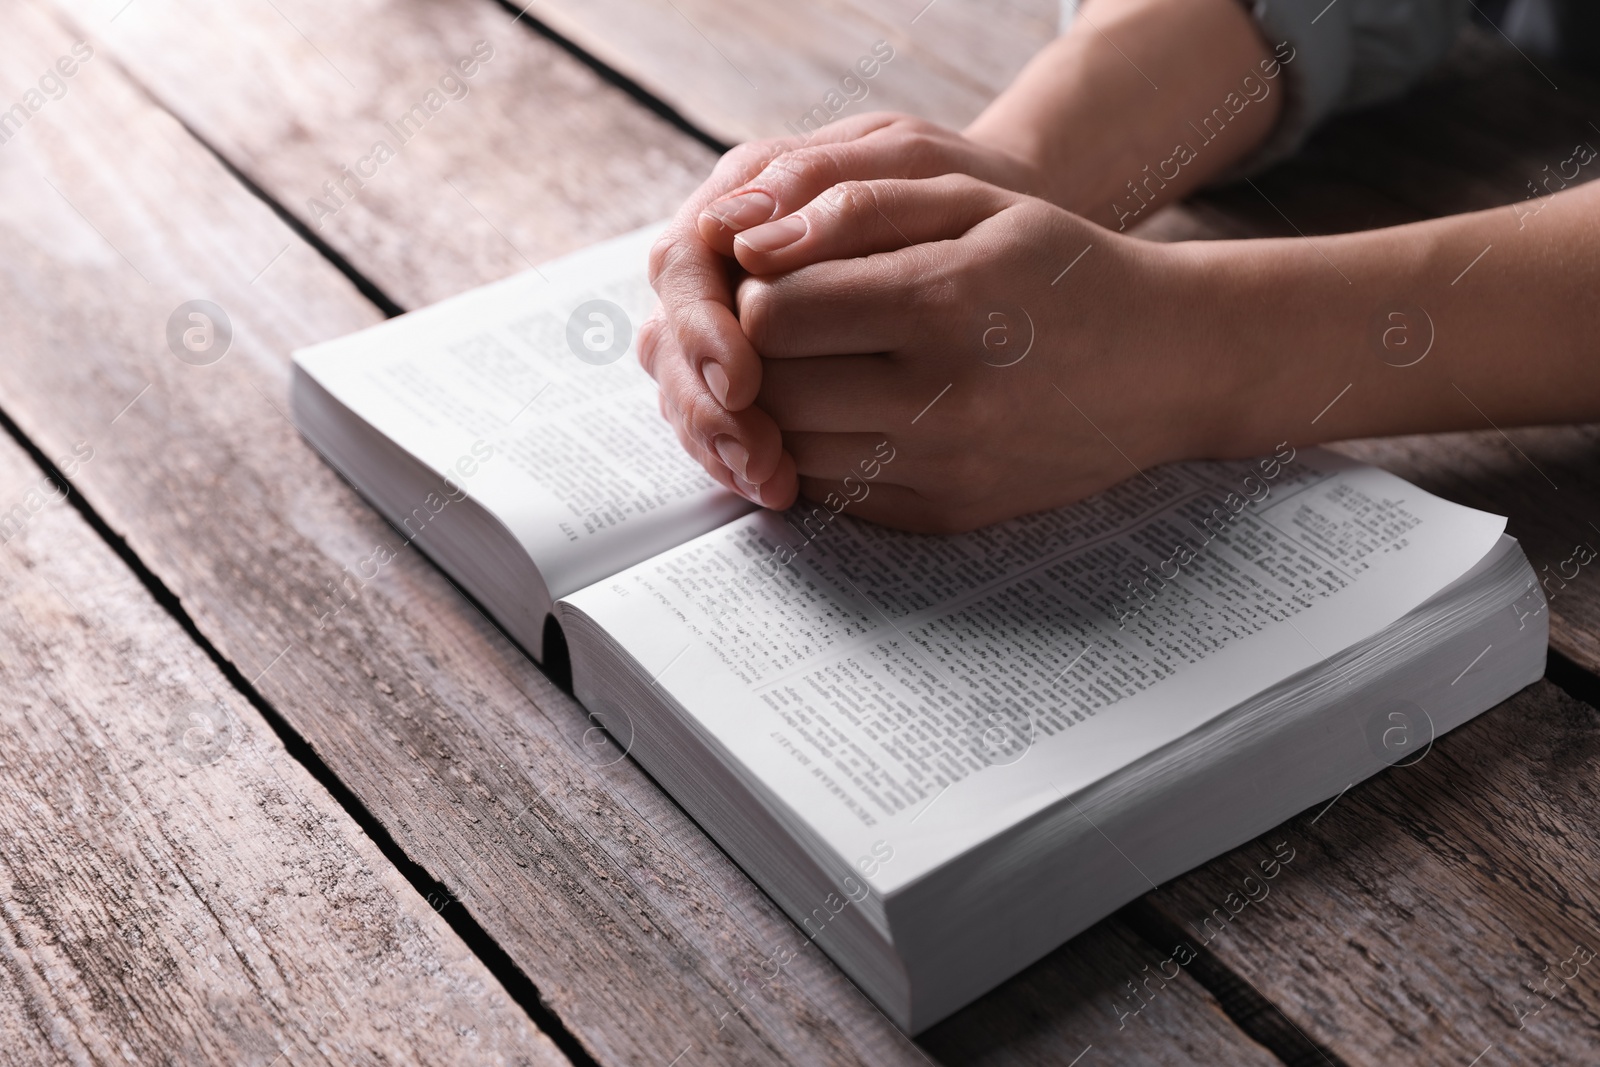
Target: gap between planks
517	984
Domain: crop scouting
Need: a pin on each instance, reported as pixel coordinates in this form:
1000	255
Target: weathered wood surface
1050	1014
1425	898
633	926
742	71
1422	905
174	886
294	91
1346	206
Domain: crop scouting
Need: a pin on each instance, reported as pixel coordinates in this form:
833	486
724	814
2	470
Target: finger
833	394
698	452
650	334
737	167
849	306
892	505
783	488
776	492
697	301
836	456
748	442
794	178
754	197
859	218
693	283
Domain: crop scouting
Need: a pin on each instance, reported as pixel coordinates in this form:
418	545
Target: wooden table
237	832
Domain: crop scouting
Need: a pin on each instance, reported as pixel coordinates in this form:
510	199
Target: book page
930	691
539	410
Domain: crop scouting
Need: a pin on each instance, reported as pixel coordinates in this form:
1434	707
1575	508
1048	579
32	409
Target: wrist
1099	131
1223	340
1021	169
1069	152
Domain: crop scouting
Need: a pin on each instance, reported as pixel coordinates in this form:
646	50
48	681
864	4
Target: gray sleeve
1347	54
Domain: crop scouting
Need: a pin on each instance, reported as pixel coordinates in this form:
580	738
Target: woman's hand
1014	356
708	372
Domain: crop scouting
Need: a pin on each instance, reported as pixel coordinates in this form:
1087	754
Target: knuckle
915	124
747	158
667	252
925	150
977	413
851	200
758	312
785	168
948	523
703	418
797	167
962	185
934	294
947	517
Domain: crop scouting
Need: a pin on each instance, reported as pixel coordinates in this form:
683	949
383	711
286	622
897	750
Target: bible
941	756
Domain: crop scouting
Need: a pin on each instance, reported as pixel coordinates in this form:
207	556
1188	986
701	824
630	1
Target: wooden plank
1338	211
309	89
632	925
747	71
1424	902
1472	137
1055	1012
1359	992
170	877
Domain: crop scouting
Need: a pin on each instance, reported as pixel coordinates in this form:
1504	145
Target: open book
941	756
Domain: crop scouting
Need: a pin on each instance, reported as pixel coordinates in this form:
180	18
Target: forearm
1113	113
1412	329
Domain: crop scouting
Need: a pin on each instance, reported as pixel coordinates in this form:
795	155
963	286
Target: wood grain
633	926
291	92
747	71
1423	902
1471	138
1051	1013
1321	196
174	886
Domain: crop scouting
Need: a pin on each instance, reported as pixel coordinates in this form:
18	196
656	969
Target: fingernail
743	211
735	455
773	235
749	489
716	380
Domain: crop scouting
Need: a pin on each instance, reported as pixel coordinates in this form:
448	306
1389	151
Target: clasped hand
893	284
